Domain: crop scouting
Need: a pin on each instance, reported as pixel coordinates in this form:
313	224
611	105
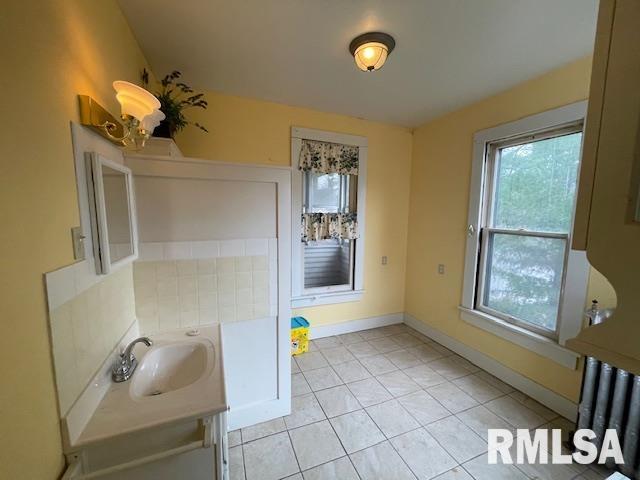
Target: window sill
327	298
531	341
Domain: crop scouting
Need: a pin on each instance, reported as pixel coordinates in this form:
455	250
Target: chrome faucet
124	366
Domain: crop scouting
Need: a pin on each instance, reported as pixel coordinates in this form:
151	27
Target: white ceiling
449	53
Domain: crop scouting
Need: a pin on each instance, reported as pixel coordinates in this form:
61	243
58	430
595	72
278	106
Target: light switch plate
441	268
77	238
384	260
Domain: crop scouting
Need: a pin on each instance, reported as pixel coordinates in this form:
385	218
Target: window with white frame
328	254
519	256
328	264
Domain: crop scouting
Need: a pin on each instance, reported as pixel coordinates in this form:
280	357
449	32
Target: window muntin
531	185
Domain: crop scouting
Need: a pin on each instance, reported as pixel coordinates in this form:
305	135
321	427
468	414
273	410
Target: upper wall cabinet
112	206
607	223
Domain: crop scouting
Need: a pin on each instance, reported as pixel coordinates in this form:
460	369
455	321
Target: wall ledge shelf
155	146
615	359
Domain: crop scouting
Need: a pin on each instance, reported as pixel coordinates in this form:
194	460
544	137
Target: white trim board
554	401
297	253
351	326
574	290
522	337
327	299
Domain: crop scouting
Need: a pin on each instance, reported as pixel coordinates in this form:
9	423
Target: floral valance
326	226
325	157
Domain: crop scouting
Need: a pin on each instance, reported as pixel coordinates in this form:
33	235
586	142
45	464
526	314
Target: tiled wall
186	284
87	322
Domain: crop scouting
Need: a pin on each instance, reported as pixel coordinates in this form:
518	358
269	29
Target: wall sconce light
370	50
140	114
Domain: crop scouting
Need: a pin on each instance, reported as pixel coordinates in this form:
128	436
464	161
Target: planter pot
164	130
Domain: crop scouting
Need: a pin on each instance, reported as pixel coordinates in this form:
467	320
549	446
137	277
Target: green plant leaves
172	104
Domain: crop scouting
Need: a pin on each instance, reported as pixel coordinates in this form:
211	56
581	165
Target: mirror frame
97	207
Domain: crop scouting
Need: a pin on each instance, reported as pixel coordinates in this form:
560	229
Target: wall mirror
112	206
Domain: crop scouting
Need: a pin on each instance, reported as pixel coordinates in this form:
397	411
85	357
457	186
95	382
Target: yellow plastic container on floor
299	335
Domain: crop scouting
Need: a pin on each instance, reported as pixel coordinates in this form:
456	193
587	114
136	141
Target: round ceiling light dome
370	50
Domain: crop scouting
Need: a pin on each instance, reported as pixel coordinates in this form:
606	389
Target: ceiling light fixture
370	50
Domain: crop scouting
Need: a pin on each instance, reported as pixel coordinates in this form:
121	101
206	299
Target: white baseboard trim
557	403
355	325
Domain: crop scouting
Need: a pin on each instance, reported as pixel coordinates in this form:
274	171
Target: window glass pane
328	263
324	195
536	184
524	276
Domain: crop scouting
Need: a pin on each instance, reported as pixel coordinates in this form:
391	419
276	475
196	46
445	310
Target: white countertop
121	412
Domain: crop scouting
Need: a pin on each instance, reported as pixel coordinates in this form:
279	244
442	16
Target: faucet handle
125	365
128	350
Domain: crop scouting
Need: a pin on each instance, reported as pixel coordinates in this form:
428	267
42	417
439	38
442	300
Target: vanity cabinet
195	449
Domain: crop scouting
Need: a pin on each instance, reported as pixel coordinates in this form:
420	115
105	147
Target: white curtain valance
325	157
325	226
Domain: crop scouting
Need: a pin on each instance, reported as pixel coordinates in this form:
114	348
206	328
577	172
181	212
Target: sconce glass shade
150	122
370	50
135	101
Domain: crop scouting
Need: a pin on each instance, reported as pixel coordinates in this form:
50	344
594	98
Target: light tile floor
390	403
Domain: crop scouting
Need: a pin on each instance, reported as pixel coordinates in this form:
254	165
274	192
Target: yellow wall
51	51
440	179
251	131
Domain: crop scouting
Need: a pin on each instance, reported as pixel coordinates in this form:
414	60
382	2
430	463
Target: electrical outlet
384	260
441	268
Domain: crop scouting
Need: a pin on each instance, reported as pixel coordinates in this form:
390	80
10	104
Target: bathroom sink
179	378
170	367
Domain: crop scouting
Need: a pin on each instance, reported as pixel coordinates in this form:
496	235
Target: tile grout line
295	455
338	436
421	388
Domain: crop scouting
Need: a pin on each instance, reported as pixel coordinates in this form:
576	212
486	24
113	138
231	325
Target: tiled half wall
185	284
88	317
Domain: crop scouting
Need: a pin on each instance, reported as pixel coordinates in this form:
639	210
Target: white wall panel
187	209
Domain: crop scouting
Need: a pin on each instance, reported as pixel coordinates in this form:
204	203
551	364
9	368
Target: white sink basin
170	367
179	377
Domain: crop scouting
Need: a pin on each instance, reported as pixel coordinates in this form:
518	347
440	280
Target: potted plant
175	97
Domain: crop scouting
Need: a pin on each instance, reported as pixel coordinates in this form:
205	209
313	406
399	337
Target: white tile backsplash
88	316
61	286
177	250
151	251
232	248
257	246
211	286
176	284
206	249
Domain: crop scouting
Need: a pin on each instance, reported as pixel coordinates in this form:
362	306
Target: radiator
610	399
